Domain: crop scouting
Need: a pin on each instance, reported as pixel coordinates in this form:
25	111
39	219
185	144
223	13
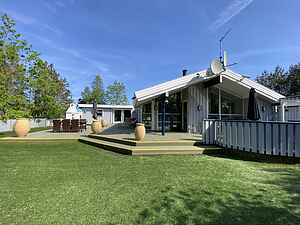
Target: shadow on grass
204	207
289	180
253	157
7	134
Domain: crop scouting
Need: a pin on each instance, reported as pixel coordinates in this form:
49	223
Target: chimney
184	72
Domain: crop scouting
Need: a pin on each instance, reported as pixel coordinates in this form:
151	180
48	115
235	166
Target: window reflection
231	106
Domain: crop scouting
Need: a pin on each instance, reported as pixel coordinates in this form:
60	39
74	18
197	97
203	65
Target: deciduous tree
116	94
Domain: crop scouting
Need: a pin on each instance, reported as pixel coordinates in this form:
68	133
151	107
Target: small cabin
112	114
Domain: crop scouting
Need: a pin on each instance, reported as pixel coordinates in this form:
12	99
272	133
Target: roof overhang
230	81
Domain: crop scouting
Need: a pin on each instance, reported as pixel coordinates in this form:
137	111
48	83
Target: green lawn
12	134
72	183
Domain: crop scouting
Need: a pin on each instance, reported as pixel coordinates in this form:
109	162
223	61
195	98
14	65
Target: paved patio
115	132
156	136
126	133
49	135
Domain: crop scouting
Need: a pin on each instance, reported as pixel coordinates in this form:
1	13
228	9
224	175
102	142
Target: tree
29	86
293	80
276	80
86	95
50	95
286	83
116	94
98	90
15	55
95	93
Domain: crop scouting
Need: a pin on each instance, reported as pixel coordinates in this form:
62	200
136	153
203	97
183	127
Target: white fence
9	124
271	138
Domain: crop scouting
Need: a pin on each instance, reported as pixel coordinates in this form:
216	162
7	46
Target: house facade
112	114
192	98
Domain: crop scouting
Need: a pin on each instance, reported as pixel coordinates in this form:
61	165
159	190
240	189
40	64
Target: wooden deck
154	144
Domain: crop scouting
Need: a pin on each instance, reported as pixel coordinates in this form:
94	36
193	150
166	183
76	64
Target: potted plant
140	131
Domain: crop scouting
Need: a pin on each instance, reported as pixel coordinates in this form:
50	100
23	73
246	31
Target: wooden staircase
162	147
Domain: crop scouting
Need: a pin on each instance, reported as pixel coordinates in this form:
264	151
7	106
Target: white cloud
52	29
50	6
27	20
19	17
266	51
232	10
102	67
54	6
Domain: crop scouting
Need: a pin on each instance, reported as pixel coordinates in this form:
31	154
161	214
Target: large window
173	113
147	115
99	112
231	106
118	116
213	96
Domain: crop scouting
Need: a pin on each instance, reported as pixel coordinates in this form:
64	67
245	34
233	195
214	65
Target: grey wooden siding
197	108
87	114
267	114
107	115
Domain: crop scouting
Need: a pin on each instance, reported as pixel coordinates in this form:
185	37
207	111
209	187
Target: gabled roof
188	80
73	109
248	83
169	86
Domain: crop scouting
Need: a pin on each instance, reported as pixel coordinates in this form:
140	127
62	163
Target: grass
72	183
12	134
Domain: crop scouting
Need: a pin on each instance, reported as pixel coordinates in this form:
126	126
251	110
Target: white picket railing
271	138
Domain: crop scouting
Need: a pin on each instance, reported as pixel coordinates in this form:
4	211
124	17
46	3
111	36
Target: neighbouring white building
291	106
112	114
202	95
73	112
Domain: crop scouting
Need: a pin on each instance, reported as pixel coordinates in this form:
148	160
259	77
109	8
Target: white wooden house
198	96
112	114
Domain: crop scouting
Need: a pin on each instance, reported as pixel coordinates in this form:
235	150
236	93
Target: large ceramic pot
22	127
96	126
140	131
104	123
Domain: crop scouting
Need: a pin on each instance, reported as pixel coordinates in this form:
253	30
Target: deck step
147	143
148	150
111	146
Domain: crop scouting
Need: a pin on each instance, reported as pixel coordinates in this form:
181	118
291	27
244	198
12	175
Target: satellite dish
217	67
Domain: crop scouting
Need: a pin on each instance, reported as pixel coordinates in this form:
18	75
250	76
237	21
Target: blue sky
142	43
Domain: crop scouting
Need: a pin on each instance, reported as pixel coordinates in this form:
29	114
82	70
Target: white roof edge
106	106
186	81
261	89
167	86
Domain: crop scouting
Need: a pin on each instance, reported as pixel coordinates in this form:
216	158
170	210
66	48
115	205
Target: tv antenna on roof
218	66
221	44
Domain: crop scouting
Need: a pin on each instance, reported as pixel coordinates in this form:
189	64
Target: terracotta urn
96	126
21	127
140	131
104	123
